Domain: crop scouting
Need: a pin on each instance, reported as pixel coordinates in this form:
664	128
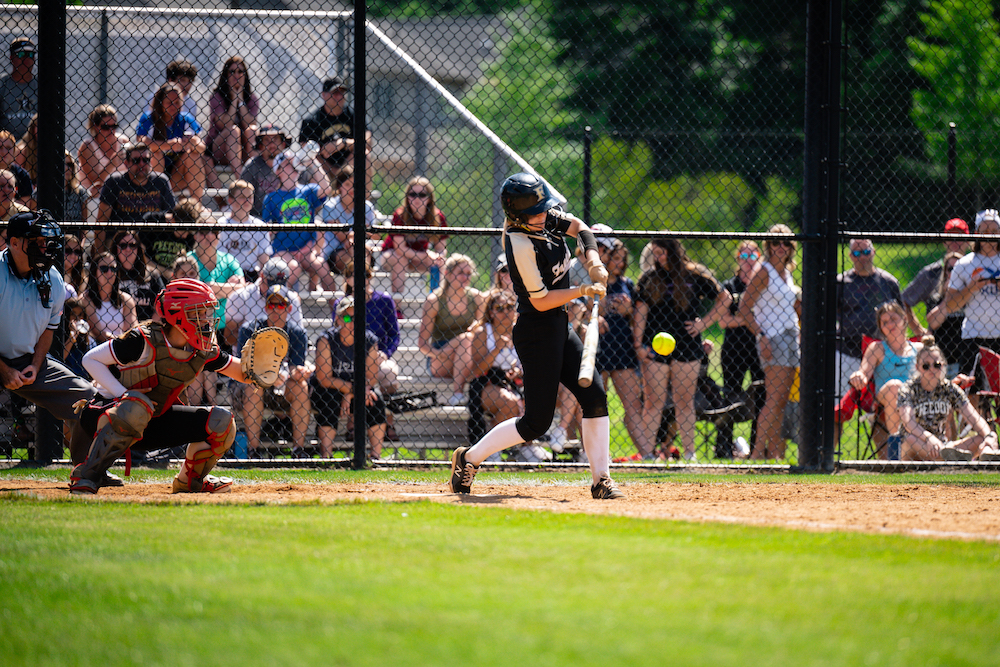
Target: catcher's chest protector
165	376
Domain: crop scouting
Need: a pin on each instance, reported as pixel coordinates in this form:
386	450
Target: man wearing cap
19	90
332	127
975	286
31	286
247	305
293	383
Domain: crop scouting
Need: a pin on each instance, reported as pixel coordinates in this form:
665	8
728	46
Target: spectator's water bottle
435	277
240	449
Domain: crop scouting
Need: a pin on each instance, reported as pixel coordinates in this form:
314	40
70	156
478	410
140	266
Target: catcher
141	376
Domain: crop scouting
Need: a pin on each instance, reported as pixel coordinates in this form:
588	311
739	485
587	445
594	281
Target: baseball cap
956	226
22	44
275	271
987	214
20	224
344	305
333	83
501	264
606	241
277	294
270	129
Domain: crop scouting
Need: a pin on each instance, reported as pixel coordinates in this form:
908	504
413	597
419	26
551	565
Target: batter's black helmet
525	194
45	235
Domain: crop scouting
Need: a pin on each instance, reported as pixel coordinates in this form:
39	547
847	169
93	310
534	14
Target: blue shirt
292	207
21	332
298	340
182	122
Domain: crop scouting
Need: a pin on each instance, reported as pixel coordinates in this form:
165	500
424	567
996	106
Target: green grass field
102	583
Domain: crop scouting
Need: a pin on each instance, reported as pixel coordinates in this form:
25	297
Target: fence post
51	105
360	238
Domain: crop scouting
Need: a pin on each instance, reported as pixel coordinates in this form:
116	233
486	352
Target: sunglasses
74	251
928	365
749	255
274	305
347	318
124	245
862	253
417	195
141	160
781	244
107	268
504	309
24	54
107	127
237	70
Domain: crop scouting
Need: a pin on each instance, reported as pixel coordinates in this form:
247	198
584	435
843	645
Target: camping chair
988	363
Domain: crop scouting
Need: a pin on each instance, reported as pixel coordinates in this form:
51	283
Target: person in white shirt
250	248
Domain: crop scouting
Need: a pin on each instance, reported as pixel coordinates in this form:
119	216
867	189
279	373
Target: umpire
32	294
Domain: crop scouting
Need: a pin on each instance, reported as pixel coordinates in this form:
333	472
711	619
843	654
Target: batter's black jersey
539	261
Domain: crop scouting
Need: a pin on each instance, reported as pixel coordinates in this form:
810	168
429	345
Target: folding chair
988	363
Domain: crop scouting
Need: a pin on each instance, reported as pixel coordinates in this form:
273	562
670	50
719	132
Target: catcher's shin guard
120	426
202	456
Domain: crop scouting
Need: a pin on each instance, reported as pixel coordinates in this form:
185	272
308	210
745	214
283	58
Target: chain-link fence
742	130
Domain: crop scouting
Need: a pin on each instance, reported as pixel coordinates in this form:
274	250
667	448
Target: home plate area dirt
934	511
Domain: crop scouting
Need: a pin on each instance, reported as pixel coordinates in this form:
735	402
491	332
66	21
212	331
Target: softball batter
550	352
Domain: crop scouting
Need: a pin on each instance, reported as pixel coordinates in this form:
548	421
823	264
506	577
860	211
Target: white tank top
507	357
110	319
775	309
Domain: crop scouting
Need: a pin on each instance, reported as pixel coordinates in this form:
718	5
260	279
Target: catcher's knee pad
221	430
131	414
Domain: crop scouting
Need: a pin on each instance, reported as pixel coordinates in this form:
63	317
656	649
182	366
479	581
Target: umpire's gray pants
56	388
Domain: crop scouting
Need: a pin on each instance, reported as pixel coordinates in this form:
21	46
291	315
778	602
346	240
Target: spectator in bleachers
270	141
414	252
25	188
860	291
296	205
233	116
926	402
925	283
332	127
291	393
739	355
501	275
110	312
183	74
164	247
75	197
248	305
130	195
172	137
8	188
334	383
381	318
74	274
135	277
448	313
770	307
19	89
184	266
338	247
26	152
103	153
616	357
250	248
78	340
669	298
220	271
975	286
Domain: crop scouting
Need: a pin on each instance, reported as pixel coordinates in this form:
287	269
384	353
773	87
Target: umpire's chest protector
160	371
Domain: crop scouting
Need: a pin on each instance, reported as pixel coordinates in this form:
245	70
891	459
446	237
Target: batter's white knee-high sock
500	437
597	444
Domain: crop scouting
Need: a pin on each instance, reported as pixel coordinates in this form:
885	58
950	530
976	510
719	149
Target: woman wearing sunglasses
103	153
73	266
739	355
770	307
139	279
110	312
414	252
926	402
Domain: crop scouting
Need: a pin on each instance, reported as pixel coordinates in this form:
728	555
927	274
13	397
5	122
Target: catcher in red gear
141	376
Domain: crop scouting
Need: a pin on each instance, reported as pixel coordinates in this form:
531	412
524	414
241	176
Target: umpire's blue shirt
23	320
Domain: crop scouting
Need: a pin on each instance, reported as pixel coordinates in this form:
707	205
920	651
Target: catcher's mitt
262	354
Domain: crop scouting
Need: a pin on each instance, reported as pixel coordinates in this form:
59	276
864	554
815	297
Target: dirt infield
936	511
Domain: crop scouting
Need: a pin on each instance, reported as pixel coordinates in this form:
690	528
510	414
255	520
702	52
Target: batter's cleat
462	472
606	489
206	484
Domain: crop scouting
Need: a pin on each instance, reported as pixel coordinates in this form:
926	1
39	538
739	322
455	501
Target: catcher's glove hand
262	354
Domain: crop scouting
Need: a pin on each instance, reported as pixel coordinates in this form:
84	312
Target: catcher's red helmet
190	306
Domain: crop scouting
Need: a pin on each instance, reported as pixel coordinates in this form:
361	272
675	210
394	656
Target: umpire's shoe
605	489
462	472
